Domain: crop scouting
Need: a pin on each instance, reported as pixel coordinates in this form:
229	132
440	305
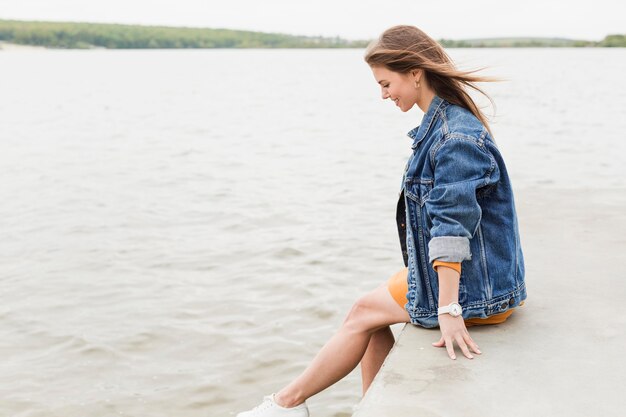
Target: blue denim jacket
456	205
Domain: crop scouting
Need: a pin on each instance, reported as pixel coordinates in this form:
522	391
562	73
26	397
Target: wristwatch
454	309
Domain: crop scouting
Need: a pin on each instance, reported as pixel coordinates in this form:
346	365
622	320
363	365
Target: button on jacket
456	205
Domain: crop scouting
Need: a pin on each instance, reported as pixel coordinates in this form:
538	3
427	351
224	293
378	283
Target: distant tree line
614	41
115	36
608	41
93	35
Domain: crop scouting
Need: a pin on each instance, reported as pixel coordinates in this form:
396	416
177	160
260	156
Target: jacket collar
419	133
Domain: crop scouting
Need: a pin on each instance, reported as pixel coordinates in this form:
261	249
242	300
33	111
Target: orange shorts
398	287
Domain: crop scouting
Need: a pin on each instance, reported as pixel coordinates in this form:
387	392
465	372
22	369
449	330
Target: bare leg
380	344
342	353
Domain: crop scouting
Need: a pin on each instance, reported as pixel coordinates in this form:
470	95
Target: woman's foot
269	408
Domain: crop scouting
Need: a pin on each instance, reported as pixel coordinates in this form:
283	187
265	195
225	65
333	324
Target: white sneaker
269	408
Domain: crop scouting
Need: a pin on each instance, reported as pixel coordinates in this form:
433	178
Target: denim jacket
456	205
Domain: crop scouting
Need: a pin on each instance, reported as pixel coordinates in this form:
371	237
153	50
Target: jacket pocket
418	189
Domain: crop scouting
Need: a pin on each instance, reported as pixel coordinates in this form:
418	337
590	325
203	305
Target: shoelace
267	403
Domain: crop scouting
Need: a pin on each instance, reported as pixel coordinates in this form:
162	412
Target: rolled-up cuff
449	249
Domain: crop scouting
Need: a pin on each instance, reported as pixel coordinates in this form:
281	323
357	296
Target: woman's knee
364	315
374	311
355	316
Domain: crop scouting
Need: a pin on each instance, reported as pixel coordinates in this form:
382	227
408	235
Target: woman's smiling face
400	88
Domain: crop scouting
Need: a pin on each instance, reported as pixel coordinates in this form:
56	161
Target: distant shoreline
7	46
16	34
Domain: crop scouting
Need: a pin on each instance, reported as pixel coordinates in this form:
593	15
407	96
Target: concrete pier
561	354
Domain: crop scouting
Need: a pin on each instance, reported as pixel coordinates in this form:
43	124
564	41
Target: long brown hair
404	48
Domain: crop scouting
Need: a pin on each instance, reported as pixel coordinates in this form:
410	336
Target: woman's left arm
452	328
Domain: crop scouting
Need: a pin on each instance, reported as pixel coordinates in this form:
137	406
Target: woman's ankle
287	401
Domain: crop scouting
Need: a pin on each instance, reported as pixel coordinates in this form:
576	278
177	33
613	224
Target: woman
455	201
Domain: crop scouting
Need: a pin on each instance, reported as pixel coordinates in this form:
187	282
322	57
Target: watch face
455	310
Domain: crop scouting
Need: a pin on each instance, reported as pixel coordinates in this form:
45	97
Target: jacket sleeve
461	166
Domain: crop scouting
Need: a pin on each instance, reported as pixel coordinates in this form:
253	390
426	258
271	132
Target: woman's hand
453	329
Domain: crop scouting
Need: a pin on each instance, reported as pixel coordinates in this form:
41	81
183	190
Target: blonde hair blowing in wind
404	48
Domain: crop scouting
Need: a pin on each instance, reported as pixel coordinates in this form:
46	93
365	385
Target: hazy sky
351	19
